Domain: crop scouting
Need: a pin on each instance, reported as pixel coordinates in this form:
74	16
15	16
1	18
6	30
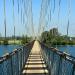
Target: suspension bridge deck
35	63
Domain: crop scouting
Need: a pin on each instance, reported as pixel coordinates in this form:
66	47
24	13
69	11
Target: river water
70	49
7	49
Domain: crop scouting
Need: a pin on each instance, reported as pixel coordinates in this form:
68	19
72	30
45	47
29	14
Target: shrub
24	40
0	42
5	42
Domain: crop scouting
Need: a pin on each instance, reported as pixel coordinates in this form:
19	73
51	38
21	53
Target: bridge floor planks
35	64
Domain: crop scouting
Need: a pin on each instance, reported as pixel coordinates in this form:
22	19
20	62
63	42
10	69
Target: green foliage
5	42
0	42
53	37
25	40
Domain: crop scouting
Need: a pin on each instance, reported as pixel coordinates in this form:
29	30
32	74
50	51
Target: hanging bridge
35	58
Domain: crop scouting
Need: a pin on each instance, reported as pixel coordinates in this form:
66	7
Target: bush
0	42
64	43
71	43
24	40
5	42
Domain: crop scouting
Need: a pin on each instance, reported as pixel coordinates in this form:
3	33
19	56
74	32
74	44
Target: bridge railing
13	63
58	62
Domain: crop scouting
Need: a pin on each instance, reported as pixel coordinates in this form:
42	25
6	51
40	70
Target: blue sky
36	6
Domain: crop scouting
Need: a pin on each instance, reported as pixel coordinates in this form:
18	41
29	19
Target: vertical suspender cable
23	14
54	6
26	12
69	10
47	14
32	25
39	28
14	34
25	17
18	6
50	11
14	21
58	19
51	15
67	27
43	12
5	18
18	11
58	12
21	11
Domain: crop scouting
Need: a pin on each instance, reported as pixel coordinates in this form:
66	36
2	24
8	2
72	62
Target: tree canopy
53	37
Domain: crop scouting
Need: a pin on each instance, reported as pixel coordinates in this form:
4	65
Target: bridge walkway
35	64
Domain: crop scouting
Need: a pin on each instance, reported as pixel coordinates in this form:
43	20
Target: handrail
63	54
13	63
13	52
58	62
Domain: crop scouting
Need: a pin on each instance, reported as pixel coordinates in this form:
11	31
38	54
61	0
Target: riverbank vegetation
25	39
18	40
53	37
5	42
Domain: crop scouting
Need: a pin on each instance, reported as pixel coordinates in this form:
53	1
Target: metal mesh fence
58	63
13	63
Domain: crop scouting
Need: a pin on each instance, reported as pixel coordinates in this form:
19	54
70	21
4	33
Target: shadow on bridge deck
35	64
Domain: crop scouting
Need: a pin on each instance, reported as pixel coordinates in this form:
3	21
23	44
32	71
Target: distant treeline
12	37
53	37
17	40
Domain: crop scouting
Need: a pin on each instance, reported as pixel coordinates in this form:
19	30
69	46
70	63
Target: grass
11	42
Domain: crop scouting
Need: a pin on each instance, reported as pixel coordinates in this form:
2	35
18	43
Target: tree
53	37
25	39
44	36
54	32
5	42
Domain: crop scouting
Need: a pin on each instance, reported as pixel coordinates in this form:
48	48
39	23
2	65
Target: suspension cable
43	12
18	6
59	3
54	6
69	11
5	18
14	21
